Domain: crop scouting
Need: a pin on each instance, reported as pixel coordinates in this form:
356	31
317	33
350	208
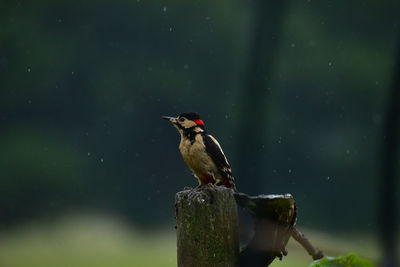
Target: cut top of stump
278	208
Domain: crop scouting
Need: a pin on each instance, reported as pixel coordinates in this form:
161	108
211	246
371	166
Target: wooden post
207	227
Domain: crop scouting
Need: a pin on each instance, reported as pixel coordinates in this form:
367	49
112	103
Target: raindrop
348	151
170	29
164	9
330	64
101	160
289	171
292	45
29	69
328	178
88	154
72	72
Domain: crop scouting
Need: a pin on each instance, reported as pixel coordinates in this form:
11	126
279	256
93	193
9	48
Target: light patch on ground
85	241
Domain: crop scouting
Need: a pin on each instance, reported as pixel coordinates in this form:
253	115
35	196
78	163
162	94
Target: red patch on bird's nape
199	122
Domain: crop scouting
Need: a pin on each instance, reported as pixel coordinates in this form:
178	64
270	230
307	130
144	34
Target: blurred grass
94	240
82	241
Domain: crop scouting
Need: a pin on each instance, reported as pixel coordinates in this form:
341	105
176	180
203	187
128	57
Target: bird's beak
170	119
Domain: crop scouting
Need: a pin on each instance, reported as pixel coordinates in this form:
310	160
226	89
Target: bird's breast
196	157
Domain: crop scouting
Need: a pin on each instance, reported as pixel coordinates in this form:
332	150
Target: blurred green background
88	170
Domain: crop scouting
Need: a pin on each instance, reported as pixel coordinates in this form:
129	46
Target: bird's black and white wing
214	150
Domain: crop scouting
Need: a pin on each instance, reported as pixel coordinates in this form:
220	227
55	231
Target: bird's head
187	122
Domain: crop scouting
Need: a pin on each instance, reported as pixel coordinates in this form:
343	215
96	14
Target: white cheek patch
198	129
188	123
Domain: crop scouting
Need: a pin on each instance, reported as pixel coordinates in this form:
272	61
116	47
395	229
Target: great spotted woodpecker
202	152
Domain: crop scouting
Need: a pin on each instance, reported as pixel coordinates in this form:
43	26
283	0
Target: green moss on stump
350	260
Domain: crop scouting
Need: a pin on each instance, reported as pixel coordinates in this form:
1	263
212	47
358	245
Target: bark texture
207	227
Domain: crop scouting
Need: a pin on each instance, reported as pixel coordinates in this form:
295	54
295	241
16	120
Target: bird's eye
182	119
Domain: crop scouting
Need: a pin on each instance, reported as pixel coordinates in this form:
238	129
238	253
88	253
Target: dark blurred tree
266	24
388	206
83	87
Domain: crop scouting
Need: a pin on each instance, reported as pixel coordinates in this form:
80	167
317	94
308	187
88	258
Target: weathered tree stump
208	232
274	219
207	227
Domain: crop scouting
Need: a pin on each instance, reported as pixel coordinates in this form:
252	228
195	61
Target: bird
201	151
